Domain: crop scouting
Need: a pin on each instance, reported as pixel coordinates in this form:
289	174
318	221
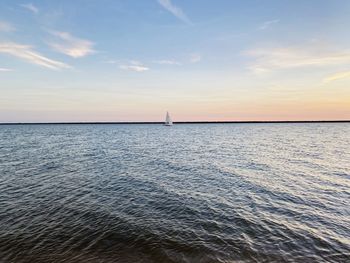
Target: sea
211	193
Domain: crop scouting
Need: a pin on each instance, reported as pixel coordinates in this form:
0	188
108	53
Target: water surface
187	193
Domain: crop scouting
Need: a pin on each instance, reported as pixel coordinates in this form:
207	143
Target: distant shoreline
179	122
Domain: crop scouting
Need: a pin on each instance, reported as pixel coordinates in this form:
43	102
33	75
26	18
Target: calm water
188	193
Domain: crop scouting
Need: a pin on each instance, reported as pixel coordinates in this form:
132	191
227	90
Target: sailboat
168	121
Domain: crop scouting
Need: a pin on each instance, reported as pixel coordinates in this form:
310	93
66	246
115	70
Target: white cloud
134	68
267	24
28	54
167	62
71	46
30	7
267	60
5	70
337	76
176	11
134	65
6	27
194	58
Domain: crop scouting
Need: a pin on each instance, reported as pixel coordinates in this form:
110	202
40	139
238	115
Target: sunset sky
132	60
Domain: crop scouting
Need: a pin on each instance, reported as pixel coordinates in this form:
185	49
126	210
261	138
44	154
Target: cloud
167	62
6	27
134	68
134	65
267	60
176	11
337	76
27	53
194	58
30	7
71	46
5	70
267	24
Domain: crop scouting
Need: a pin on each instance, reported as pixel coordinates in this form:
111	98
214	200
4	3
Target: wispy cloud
176	11
27	53
71	46
167	62
30	7
195	58
134	65
6	27
134	68
5	69
337	76
267	60
267	24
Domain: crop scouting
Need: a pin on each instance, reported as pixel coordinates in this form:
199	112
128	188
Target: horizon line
176	122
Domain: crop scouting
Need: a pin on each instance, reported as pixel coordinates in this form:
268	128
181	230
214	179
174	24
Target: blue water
187	193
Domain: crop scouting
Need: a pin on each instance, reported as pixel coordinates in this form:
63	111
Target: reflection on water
189	193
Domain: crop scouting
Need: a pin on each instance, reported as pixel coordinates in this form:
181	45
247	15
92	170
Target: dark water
189	193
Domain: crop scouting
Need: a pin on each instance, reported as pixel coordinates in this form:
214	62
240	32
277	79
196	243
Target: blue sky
201	60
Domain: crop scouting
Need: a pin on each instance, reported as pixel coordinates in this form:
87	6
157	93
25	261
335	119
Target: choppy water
189	193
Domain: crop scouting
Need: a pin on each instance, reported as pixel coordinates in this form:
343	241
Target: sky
132	60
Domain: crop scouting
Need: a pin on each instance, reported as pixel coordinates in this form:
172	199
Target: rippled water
187	193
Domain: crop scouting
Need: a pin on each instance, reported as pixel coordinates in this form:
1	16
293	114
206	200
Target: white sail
168	121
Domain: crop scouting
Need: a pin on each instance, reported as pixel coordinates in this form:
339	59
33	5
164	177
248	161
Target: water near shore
187	193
